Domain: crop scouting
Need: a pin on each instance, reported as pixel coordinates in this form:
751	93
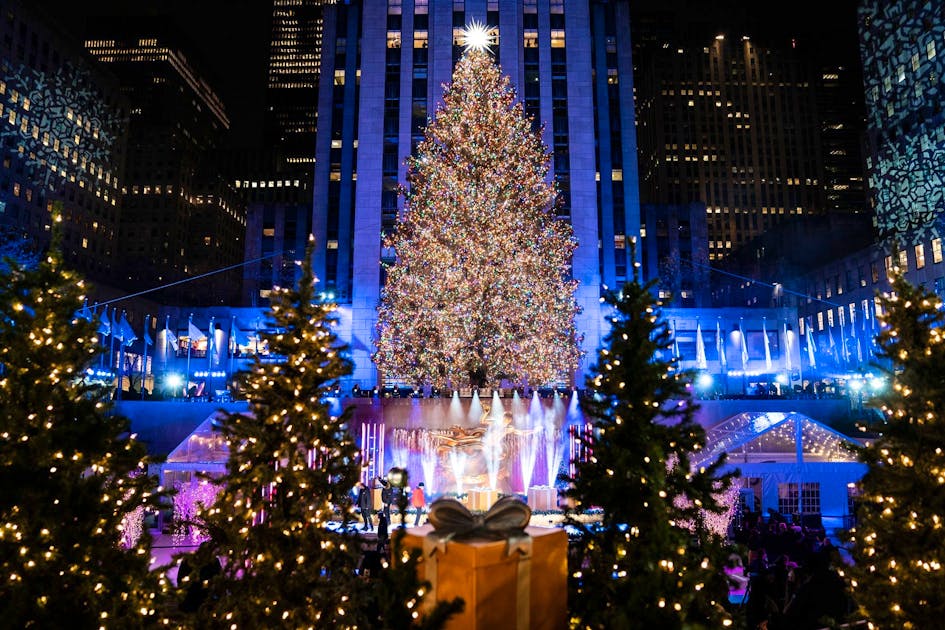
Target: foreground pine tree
480	291
649	563
899	541
292	462
70	474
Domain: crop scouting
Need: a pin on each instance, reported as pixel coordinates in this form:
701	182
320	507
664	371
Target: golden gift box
544	498
481	499
518	583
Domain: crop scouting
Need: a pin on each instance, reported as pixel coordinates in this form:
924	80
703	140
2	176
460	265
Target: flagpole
189	345
144	361
101	339
111	341
231	344
121	359
167	342
210	343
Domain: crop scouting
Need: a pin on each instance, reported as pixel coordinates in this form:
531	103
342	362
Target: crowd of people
790	580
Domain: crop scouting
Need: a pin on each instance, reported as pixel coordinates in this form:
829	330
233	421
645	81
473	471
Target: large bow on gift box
507	518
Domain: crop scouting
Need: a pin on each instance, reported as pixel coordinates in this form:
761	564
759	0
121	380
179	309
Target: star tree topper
478	36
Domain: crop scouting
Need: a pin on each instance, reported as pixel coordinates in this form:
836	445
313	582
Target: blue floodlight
704	381
173	381
782	379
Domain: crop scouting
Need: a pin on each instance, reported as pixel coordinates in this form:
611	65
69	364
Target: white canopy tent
203	451
792	463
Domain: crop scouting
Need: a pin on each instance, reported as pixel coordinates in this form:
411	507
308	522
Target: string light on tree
73	552
899	539
652	561
480	291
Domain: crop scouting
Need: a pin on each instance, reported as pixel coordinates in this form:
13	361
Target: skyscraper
62	139
181	216
732	124
292	80
903	49
571	63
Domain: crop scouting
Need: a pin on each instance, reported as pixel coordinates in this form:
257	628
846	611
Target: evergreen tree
480	291
292	462
71	475
650	563
899	539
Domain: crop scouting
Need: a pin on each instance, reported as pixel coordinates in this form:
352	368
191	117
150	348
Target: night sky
229	39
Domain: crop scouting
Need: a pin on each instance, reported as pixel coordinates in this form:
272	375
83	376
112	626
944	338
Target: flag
832	345
675	343
170	337
84	312
147	338
210	341
720	345
744	347
126	333
844	350
113	325
811	349
788	358
104	324
764	331
194	333
700	348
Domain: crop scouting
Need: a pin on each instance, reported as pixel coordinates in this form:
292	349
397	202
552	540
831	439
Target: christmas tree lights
652	562
480	290
292	466
75	483
899	539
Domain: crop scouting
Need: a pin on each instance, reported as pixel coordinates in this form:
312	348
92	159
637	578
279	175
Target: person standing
387	496
366	505
419	501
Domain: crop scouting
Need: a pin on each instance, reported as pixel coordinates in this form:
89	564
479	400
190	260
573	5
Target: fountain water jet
458	466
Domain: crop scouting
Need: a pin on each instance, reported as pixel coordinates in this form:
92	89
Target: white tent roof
775	437
205	445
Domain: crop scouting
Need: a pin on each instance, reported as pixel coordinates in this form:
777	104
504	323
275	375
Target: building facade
62	141
181	217
731	123
674	249
902	45
570	61
292	81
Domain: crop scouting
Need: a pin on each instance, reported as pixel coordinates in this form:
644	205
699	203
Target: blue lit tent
789	462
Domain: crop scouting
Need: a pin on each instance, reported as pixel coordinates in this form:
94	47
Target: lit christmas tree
899	539
480	290
292	462
643	566
74	481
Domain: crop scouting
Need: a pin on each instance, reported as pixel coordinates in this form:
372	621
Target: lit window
919	256
904	260
830	317
930	49
901	73
339	77
269	231
915	62
936	250
85	243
